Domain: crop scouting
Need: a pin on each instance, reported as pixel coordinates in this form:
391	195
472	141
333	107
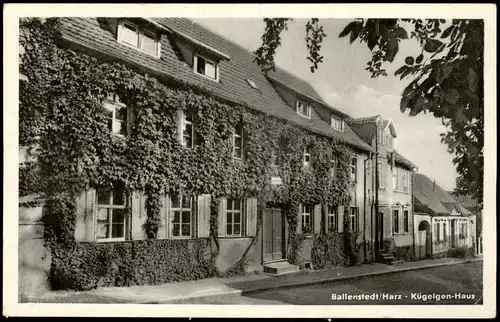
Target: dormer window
336	123
303	109
206	67
138	37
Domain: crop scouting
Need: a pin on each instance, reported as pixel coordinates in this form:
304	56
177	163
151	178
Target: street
462	282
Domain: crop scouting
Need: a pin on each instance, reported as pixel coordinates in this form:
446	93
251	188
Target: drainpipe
377	246
364	204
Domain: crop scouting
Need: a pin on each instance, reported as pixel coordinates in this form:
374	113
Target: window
306	219
438	231
444	230
380	172
303	109
181	216
406	221
333	166
234	217
353	219
354	170
332	218
206	67
406	181
138	37
336	123
379	135
395	221
275	161
111	219
307	156
238	142
187	130
116	117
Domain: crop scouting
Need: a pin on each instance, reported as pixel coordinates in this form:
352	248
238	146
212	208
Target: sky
343	82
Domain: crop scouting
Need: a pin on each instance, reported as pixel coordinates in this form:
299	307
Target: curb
351	277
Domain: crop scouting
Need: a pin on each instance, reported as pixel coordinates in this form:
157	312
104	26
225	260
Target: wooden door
273	240
380	230
422	243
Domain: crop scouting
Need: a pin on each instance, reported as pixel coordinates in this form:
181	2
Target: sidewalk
240	285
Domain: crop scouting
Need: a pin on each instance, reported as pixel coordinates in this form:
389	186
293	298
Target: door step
280	268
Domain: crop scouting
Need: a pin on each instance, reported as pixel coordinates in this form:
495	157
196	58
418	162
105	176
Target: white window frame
235	136
184	122
354	167
110	207
438	231
406	225
307	154
380	168
113	107
306	212
333	166
354	219
233	211
304	105
181	210
396	220
140	34
332	216
336	123
197	56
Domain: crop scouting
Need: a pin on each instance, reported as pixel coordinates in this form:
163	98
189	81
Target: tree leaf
432	45
473	80
392	49
400	70
447	31
400	33
419	58
347	29
451	96
409	60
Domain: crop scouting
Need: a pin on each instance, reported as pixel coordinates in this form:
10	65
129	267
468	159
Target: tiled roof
467	201
90	33
363	120
402	160
428	193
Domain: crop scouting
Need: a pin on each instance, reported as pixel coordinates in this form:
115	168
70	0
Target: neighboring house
390	194
476	209
178	51
441	223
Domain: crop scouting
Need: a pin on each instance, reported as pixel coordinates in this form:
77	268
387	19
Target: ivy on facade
61	112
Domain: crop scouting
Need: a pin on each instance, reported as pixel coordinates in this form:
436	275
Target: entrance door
422	244
273	235
380	230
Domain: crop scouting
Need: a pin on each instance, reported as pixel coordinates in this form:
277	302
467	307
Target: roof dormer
140	34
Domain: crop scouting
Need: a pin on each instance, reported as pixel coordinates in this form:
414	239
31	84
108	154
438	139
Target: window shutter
299	220
139	215
317	219
324	215
340	223
251	216
221	229
180	116
162	231
204	215
84	224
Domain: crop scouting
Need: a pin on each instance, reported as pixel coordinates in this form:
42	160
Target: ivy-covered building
166	154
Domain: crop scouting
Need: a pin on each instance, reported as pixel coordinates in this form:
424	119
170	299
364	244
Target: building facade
441	223
390	193
252	231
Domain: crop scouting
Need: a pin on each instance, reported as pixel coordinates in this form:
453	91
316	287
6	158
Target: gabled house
476	209
390	194
441	222
185	56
